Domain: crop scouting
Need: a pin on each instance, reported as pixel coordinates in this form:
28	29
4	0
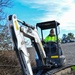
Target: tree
4	35
3	5
64	36
5	40
68	38
70	35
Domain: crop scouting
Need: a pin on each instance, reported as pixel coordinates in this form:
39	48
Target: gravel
69	52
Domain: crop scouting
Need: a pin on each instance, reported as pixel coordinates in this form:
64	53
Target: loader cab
52	49
46	26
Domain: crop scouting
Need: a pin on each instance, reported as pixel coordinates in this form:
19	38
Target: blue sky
34	11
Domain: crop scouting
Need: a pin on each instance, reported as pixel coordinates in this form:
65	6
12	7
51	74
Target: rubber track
56	70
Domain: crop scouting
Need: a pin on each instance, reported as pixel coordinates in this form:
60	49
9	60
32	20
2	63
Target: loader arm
17	33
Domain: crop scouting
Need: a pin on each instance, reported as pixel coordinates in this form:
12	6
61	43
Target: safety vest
50	38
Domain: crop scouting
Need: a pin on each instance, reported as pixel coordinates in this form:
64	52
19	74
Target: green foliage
64	36
70	35
73	68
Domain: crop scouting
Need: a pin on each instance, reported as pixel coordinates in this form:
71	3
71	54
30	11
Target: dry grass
9	64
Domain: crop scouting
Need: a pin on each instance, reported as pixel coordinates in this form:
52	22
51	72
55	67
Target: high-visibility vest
50	38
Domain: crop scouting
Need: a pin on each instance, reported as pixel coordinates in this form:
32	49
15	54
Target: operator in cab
50	37
51	41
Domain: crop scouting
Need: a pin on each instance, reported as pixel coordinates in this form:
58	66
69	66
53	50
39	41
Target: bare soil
9	64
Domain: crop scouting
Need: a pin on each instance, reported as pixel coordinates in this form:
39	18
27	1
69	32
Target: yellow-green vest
50	38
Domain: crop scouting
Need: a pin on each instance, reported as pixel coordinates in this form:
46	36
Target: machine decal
16	25
54	56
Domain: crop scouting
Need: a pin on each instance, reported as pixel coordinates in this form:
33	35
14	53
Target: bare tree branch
4	4
5	42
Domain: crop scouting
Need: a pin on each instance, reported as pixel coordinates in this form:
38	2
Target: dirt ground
9	64
69	52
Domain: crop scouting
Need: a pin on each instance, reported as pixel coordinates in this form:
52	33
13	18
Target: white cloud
68	19
60	10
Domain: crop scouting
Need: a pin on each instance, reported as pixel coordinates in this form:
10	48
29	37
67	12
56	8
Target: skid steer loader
17	33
